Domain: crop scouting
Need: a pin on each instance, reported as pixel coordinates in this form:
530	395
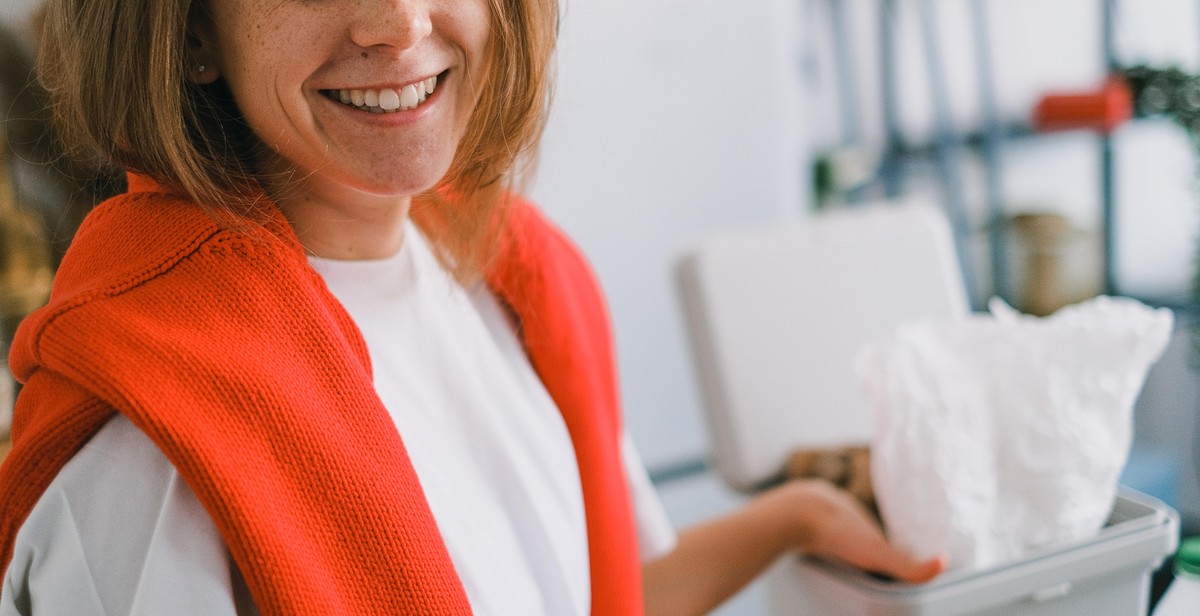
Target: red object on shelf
1102	110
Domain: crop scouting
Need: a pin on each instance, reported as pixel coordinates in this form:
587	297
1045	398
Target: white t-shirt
484	436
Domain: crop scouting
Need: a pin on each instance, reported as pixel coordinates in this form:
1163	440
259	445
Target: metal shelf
947	145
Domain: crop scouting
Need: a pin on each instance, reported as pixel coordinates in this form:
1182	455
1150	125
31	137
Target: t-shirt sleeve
656	534
119	532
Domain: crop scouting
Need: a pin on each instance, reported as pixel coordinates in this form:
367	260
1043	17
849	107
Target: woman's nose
398	24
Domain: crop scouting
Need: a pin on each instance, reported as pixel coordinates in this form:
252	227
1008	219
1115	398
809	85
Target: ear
202	58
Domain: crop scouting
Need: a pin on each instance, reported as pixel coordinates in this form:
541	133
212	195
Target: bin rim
1135	517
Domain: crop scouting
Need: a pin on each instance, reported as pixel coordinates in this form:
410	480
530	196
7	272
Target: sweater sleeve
656	534
152	550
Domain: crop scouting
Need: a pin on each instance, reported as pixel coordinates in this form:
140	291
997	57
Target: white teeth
386	100
408	97
389	100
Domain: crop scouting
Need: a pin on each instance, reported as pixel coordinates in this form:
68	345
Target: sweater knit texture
223	345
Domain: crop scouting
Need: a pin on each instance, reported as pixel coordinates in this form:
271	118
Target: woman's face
342	91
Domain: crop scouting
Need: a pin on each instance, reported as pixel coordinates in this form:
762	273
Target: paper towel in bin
998	434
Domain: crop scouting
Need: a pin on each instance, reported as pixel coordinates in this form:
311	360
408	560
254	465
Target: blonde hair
116	73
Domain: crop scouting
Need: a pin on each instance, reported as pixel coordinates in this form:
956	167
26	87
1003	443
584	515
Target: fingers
874	553
907	568
840	527
919	572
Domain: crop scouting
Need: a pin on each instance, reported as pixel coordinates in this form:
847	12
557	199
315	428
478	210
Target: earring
201	68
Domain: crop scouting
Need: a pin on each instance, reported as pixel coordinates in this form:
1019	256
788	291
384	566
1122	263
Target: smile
386	100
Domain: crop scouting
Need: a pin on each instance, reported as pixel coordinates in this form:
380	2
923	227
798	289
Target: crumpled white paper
999	434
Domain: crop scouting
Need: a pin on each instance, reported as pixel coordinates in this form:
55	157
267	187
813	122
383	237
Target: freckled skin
342	177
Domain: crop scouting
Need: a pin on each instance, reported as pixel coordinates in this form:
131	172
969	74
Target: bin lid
777	315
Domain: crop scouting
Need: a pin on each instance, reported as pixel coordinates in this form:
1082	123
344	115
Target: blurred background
676	119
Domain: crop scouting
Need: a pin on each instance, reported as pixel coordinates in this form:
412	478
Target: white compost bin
1108	575
776	316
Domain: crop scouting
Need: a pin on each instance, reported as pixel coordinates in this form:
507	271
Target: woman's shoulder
148	263
138	236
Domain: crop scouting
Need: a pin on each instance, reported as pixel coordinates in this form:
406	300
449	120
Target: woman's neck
348	225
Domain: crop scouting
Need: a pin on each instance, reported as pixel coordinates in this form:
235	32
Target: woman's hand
716	559
833	524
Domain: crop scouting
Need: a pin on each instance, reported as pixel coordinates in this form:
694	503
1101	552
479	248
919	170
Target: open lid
778	314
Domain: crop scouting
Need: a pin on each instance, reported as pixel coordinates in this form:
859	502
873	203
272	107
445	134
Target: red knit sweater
228	351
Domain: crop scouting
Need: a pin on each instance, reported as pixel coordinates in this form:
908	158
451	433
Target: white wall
672	117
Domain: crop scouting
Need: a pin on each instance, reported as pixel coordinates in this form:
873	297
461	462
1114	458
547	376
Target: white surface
671	118
489	445
1182	597
1157	216
779	313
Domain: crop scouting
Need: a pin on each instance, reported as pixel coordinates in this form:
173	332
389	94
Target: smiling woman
320	358
192	132
278	59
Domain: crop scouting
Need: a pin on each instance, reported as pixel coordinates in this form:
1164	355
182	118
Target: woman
319	360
